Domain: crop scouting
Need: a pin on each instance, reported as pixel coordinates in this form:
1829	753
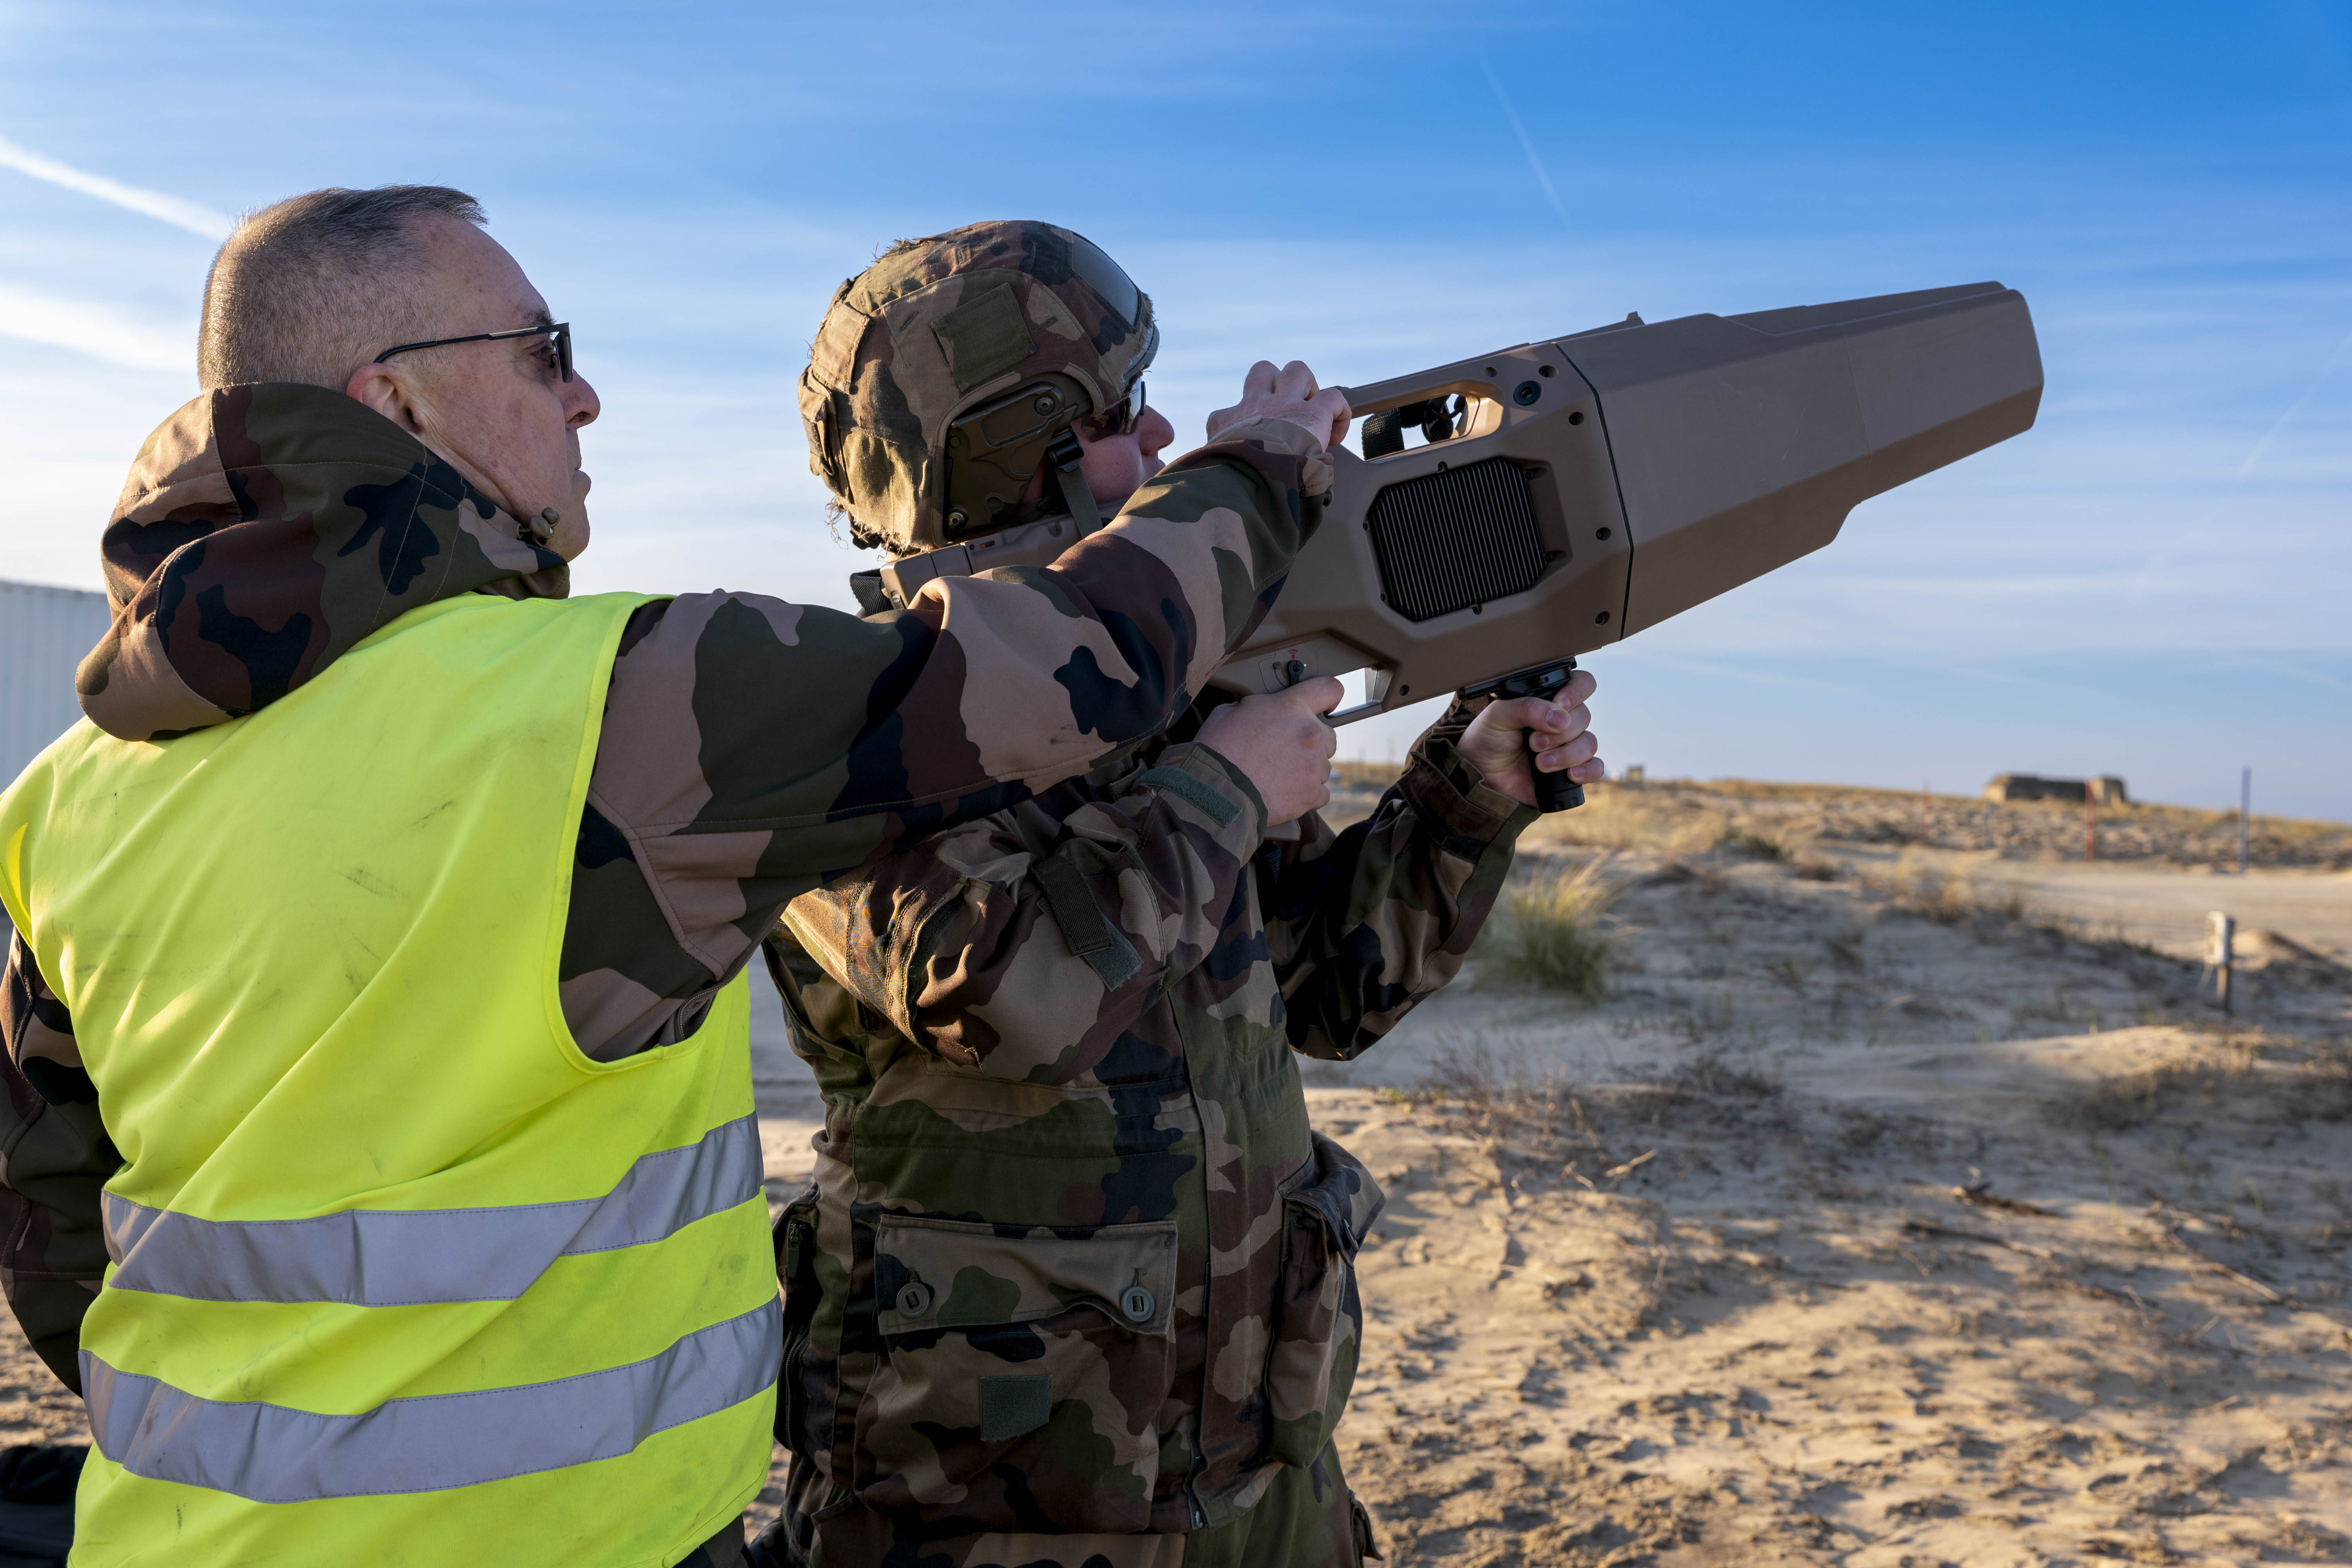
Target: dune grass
1545	932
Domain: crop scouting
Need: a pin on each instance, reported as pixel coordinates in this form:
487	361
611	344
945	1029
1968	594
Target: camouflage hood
263	531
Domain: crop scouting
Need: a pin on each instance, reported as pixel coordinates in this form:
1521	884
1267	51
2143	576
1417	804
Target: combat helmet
946	374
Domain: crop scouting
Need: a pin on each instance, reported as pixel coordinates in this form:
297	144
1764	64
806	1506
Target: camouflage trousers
1307	1519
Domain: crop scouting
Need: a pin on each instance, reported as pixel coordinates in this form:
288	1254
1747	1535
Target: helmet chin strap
894	585
1065	462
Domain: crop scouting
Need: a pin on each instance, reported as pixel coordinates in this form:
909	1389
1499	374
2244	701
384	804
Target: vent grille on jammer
1451	539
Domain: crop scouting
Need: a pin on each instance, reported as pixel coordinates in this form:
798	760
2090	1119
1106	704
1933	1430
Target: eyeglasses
1122	418
559	338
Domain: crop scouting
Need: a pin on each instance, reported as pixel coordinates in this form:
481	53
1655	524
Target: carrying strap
1091	937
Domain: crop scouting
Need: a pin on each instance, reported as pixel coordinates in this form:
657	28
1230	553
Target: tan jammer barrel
1578	491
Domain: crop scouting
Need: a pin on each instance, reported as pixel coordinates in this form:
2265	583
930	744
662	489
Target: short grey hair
311	288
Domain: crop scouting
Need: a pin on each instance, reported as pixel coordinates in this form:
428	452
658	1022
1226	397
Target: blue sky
2155	581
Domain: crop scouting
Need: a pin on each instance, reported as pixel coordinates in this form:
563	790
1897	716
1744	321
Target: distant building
2104	790
44	633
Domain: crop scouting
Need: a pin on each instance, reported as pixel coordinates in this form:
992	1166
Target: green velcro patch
1015	1406
1177	782
984	336
1103	947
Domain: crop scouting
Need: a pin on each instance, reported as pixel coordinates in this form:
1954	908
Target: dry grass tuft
1512	1097
1525	1109
1621	816
1950	898
1543	933
1713	1078
2292	1085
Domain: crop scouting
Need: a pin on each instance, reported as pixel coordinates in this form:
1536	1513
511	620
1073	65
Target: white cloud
96	332
179	214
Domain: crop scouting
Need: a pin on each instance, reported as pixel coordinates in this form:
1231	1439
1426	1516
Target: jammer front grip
1554	792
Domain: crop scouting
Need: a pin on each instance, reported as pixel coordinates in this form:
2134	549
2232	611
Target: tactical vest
400	1276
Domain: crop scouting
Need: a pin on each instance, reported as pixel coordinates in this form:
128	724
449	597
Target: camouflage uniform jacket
1072	1260
750	748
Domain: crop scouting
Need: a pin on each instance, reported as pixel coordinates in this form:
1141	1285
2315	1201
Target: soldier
1072	1284
374	1006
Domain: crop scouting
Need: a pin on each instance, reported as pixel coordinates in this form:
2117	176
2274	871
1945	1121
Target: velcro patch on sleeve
1220	809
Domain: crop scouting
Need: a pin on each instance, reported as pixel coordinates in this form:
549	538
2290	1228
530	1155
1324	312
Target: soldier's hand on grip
1283	745
1496	743
1291	393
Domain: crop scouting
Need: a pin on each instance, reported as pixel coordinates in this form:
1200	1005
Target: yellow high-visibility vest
400	1276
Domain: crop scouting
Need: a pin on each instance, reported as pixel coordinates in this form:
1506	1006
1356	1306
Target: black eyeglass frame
557	333
1121	417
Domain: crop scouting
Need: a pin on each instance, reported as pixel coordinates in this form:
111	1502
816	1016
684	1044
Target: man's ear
385	389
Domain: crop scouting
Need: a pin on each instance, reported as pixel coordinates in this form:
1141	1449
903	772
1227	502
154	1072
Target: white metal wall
44	632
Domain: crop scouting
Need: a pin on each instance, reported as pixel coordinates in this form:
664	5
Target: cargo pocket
1023	1373
1318	1321
795	1239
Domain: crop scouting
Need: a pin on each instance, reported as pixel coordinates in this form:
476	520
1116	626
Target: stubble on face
492	409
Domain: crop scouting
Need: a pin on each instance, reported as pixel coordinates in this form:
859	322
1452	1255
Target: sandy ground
2151	904
1897	1203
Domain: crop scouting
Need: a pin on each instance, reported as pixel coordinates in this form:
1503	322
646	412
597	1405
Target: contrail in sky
1526	144
2293	409
97	331
179	214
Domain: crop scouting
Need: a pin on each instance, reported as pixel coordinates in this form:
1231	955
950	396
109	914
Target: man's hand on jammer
1283	745
1497	741
1291	393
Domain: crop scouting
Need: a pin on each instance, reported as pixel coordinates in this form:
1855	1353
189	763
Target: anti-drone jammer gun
1570	493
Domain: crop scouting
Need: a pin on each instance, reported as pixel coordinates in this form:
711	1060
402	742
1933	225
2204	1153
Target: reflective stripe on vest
270	1454
396	1257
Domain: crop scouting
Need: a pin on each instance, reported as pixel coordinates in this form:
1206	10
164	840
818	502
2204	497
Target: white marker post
2221	932
2245	805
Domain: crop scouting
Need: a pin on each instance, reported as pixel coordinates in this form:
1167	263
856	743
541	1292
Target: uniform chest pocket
1021	1375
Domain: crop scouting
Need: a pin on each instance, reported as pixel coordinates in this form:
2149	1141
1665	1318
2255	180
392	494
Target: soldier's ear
385	389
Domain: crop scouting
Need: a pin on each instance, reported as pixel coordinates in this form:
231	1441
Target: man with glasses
376	1005
1072	1284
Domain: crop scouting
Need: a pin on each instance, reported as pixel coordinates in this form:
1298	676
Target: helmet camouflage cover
941	328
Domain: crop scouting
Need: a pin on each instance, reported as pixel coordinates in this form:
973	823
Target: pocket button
915	1298
1137	1303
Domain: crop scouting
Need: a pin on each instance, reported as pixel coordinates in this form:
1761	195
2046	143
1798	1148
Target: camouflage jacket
750	748
1072	1260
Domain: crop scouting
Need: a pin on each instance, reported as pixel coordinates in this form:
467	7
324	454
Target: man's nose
1153	431
581	403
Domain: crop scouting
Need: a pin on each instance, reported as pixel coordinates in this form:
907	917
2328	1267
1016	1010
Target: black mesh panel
1448	541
